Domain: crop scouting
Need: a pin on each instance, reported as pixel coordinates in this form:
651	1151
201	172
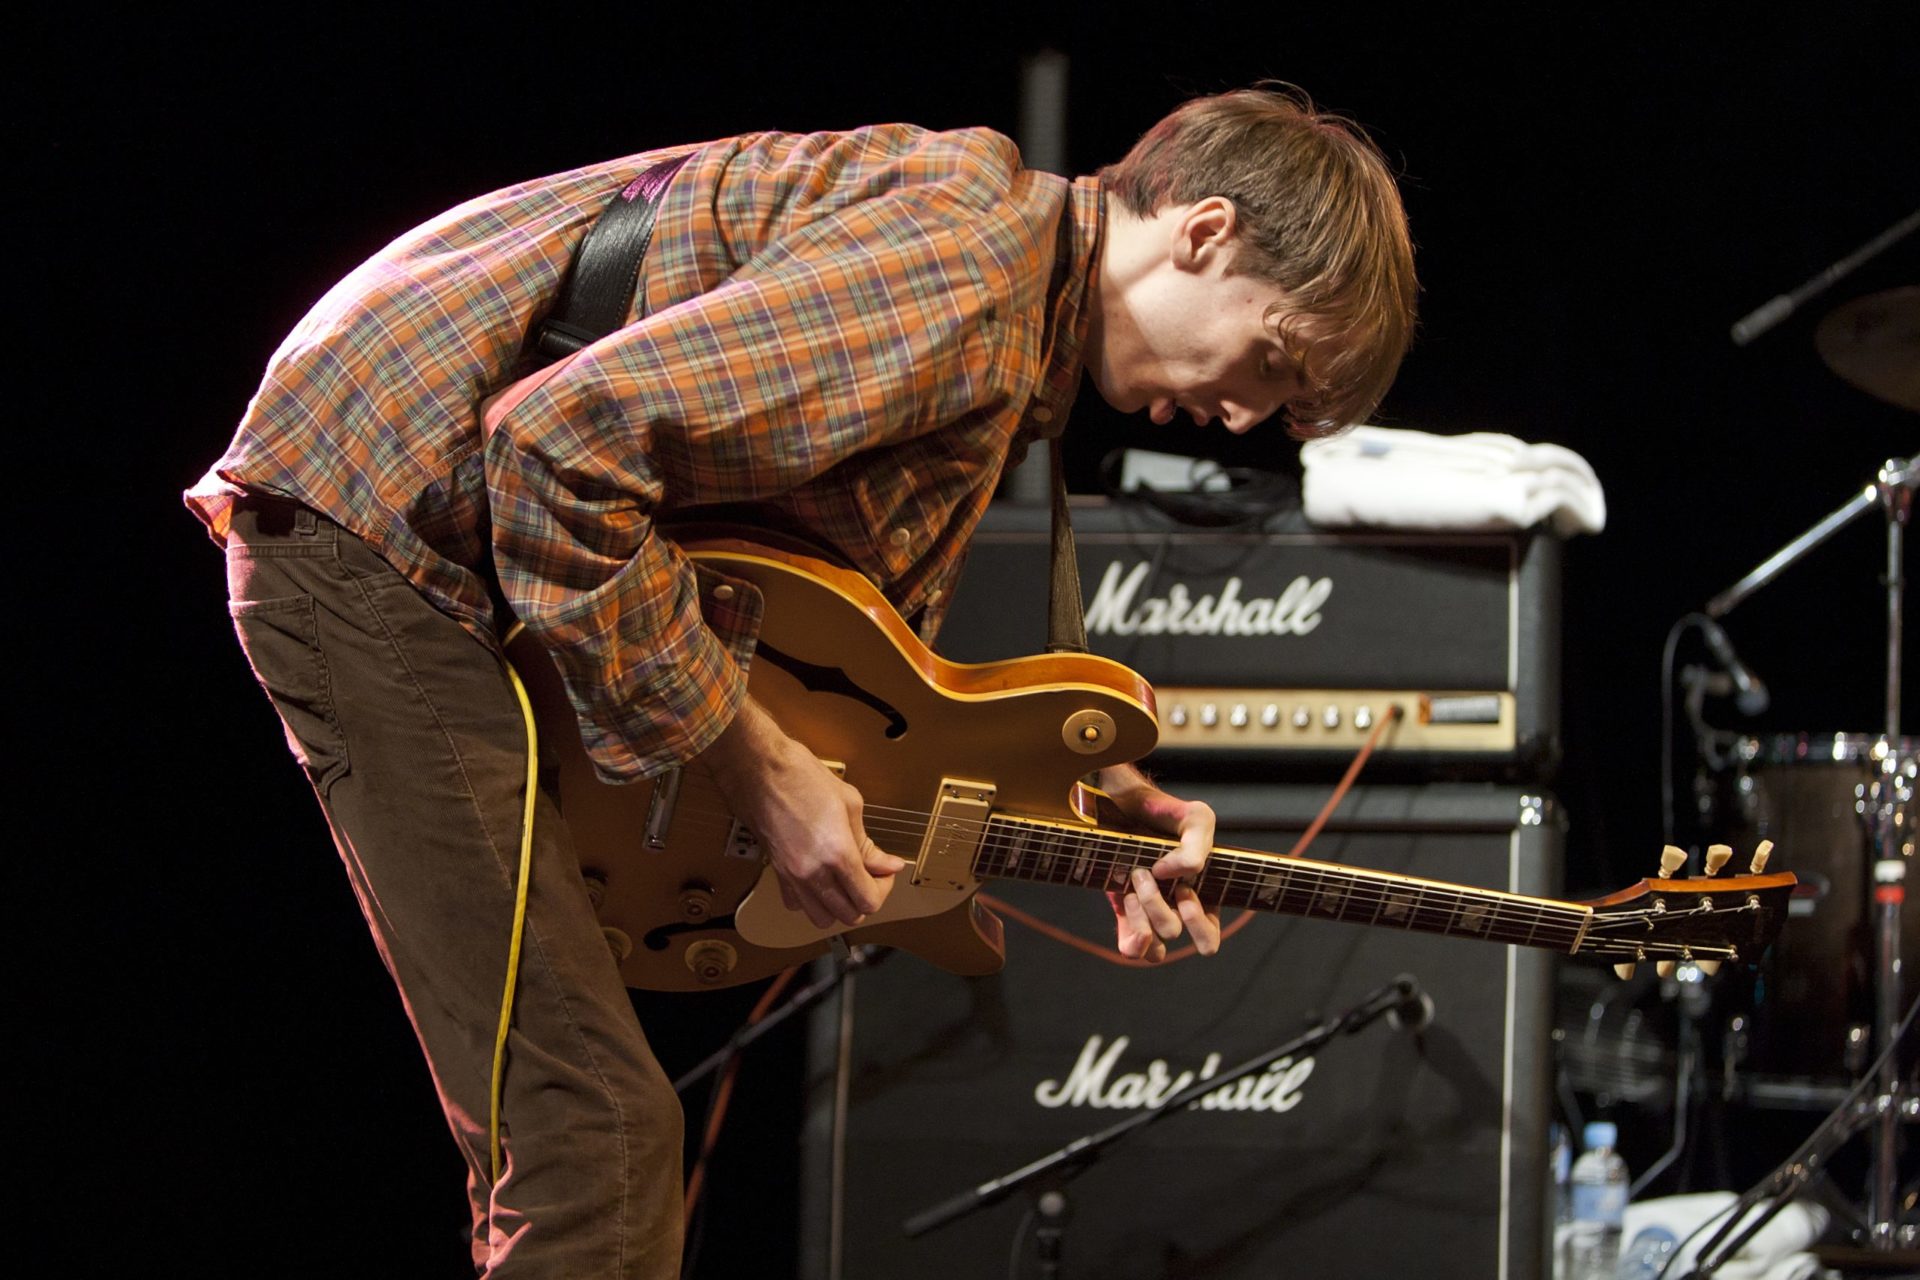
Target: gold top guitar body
972	773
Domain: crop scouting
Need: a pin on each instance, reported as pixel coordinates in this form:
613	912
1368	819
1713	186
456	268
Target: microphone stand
1054	1171
850	962
1778	308
1882	812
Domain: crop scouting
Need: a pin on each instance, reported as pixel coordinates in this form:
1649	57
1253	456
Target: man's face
1184	338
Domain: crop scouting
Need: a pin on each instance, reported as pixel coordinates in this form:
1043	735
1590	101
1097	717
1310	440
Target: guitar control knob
696	903
596	882
1088	732
618	943
711	960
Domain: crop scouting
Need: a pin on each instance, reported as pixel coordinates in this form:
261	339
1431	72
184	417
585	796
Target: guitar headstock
1704	919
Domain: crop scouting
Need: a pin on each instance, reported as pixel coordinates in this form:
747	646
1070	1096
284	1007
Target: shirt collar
1082	226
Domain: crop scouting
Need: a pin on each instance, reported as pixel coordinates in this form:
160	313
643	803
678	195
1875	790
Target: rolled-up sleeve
865	327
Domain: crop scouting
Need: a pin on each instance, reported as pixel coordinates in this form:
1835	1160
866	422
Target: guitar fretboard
1016	848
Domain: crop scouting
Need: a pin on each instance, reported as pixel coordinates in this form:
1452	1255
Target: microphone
1415	1010
1760	319
1749	695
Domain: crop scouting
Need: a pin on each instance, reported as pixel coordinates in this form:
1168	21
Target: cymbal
1874	343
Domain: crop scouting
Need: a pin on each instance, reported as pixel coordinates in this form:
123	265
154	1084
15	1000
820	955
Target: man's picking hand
808	821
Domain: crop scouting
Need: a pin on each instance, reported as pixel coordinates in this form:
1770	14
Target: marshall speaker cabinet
1387	1152
1291	641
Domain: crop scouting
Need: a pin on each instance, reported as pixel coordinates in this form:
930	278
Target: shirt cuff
674	712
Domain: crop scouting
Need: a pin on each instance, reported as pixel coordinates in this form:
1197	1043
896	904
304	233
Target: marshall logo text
1092	1083
1113	610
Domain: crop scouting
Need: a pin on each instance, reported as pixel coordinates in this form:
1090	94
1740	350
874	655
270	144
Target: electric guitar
971	772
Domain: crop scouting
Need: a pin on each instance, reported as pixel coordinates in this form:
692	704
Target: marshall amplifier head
1293	640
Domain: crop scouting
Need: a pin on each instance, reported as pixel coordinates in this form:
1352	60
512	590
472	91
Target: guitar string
1528	923
1258	880
1250	872
1541	922
1450	902
1106	854
911	826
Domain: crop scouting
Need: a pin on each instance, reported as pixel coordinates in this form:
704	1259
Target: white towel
1414	480
1776	1252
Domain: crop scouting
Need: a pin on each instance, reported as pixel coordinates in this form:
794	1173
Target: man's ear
1205	232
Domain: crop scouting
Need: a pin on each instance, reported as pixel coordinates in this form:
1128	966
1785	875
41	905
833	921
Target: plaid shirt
845	334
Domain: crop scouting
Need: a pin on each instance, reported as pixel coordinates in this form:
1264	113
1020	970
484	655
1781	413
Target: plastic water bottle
1599	1206
1646	1256
1562	1160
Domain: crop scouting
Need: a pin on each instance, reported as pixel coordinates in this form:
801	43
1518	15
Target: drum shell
1806	1013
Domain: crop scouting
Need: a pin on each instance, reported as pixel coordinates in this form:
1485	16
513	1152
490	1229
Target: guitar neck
1048	852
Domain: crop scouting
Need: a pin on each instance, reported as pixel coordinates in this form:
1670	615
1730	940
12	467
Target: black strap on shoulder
599	289
1066	617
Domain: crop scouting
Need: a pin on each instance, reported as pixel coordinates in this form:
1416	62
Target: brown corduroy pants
411	735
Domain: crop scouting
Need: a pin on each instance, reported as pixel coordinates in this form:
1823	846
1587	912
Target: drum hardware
1800	1172
1881	808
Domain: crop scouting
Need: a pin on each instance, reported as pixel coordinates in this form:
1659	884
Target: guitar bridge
954	836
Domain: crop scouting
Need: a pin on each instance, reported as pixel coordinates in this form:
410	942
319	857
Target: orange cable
1042	927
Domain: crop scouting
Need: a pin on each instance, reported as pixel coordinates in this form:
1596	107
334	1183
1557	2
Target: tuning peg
1625	970
1717	855
1760	853
1671	859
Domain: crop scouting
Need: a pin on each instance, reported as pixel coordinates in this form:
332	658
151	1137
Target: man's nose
1241	418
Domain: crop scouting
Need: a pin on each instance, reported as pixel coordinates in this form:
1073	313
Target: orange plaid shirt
844	334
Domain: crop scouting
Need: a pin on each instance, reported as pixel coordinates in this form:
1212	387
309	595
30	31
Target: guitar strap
1066	618
594	301
599	288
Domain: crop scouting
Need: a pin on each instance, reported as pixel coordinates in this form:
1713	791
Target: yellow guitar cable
519	916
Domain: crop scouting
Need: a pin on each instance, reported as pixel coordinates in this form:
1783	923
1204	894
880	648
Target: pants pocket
282	641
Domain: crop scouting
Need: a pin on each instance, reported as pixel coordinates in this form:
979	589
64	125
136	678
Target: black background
1596	194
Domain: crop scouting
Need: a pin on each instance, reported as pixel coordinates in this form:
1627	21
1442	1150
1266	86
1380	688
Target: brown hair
1318	215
